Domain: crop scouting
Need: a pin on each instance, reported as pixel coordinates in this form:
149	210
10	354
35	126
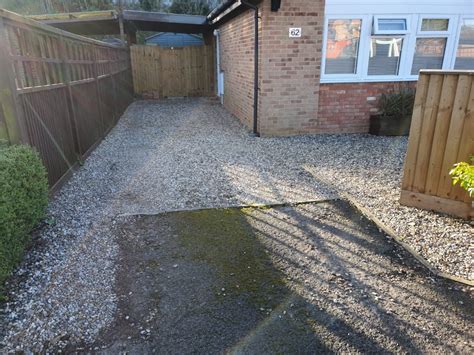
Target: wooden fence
441	134
59	92
165	72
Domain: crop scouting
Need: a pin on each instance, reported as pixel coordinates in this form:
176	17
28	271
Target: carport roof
106	22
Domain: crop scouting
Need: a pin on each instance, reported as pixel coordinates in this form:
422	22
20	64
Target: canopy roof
106	22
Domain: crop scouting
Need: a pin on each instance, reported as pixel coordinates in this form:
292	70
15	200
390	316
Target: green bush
463	173
397	104
23	201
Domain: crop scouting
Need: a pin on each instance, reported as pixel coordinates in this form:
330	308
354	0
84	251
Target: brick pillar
290	67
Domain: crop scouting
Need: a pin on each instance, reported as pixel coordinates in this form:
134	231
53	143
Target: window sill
375	79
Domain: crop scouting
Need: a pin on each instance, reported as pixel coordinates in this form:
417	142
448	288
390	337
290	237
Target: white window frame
449	50
325	38
435	17
390	17
408	47
386	76
458	36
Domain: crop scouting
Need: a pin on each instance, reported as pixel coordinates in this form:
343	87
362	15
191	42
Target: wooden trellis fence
441	134
59	92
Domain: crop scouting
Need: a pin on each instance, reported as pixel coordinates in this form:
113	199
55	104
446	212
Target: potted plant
394	114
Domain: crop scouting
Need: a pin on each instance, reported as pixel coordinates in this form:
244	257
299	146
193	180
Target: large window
342	46
384	58
394	47
465	50
429	54
430	44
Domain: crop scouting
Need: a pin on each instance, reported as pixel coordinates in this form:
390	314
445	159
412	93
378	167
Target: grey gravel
188	154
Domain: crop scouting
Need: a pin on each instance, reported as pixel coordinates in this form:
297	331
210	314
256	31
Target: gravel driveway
189	154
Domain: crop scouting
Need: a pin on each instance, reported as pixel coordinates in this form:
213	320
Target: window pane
434	24
385	55
429	54
342	46
465	51
386	24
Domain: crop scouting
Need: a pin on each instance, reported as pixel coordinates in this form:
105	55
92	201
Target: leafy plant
23	199
463	173
397	104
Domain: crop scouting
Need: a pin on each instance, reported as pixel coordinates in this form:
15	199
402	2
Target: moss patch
224	240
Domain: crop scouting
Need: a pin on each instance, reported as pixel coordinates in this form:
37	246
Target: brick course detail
236	43
346	108
290	67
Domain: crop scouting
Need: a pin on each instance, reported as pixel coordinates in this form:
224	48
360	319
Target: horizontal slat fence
167	72
59	92
441	134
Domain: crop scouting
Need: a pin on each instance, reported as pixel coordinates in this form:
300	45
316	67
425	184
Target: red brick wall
236	47
290	67
345	108
291	99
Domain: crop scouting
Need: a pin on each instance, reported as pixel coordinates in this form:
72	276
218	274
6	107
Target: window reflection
342	46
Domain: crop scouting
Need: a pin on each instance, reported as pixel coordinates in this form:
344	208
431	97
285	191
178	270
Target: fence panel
59	92
441	134
88	120
107	99
165	72
49	131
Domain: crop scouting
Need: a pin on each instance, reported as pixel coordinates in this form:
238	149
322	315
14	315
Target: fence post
95	71
12	122
66	78
114	85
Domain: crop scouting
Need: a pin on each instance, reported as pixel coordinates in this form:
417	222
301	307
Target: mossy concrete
311	278
223	239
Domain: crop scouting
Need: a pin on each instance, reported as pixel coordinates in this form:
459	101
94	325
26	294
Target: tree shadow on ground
292	279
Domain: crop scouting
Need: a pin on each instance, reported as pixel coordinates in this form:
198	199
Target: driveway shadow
291	279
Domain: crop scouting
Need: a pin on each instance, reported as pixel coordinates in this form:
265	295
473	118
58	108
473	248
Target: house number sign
295	32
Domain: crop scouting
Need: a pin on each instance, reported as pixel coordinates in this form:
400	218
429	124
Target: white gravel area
188	154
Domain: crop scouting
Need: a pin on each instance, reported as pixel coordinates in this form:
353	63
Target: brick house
322	64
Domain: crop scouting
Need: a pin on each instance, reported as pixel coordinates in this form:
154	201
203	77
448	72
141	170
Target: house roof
227	11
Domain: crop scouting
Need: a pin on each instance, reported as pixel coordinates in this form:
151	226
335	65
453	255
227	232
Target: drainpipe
218	65
255	58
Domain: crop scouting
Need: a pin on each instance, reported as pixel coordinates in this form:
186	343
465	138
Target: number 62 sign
295	32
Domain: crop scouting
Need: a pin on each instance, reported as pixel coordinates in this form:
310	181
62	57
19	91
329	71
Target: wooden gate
166	72
441	134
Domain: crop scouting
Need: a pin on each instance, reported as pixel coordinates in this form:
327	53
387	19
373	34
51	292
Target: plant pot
389	125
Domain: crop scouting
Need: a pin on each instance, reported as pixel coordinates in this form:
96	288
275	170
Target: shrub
23	200
397	104
463	173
